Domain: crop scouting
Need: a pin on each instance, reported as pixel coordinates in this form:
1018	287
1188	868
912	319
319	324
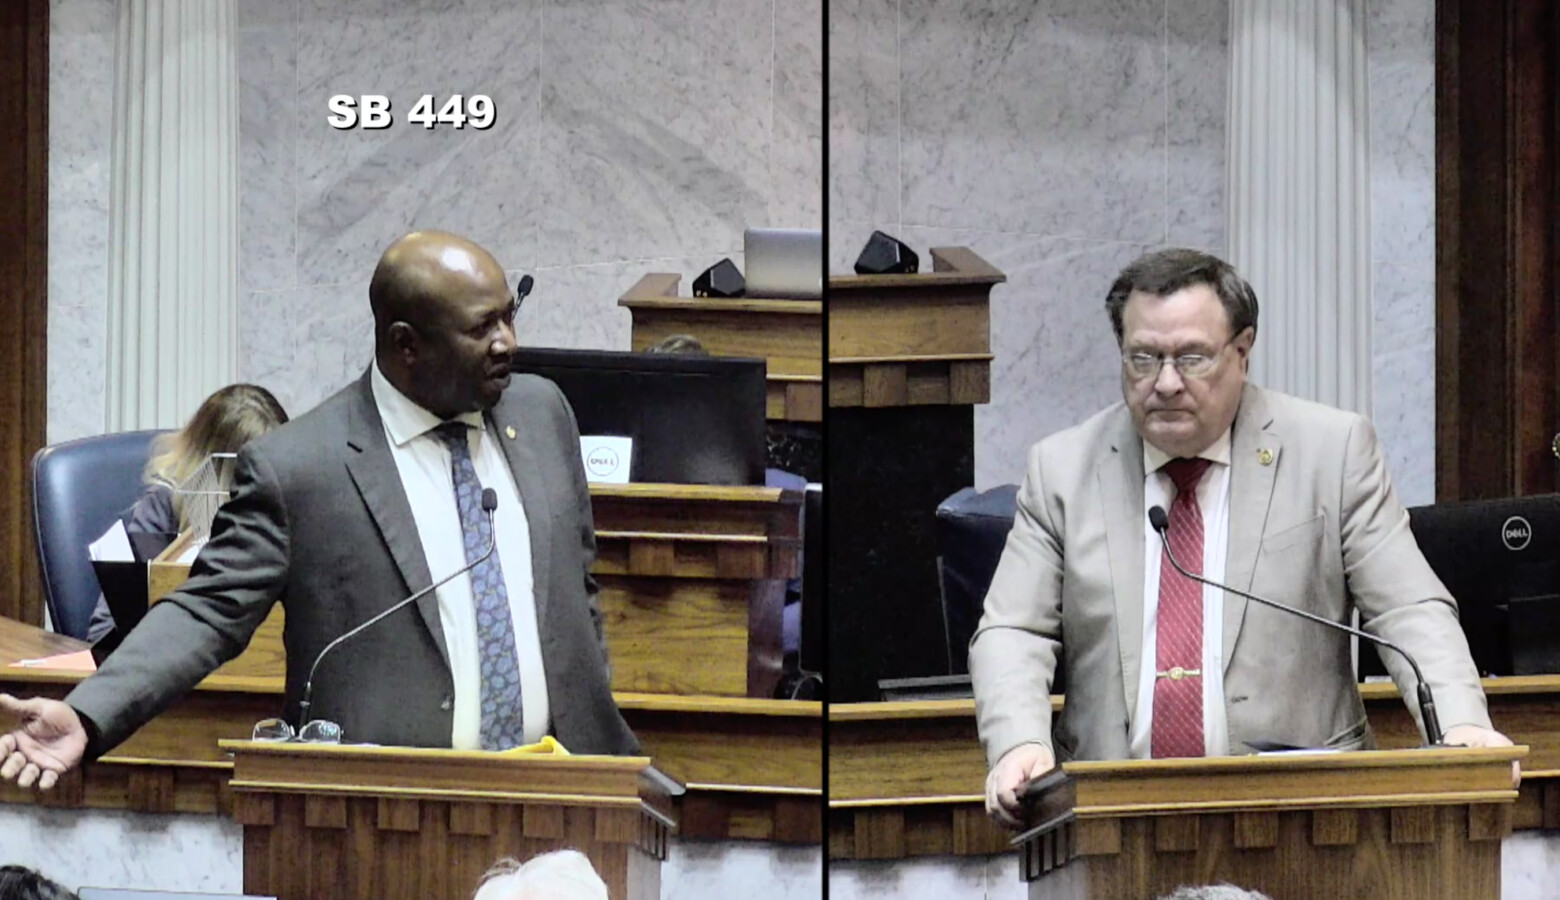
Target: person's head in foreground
443	323
685	344
1214	892
1185	322
560	875
19	883
224	423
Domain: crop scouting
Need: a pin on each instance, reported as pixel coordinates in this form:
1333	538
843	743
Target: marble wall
1400	67
629	138
1059	139
1530	862
104	848
1062	138
81	103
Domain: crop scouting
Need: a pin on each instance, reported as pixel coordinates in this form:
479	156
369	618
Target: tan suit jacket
1318	526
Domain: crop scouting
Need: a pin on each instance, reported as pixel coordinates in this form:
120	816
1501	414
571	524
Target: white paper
113	546
187	556
606	458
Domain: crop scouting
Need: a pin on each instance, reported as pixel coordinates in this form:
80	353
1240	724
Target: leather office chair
78	489
972	529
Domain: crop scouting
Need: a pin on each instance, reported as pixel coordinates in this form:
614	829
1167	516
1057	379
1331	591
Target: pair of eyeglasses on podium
280	731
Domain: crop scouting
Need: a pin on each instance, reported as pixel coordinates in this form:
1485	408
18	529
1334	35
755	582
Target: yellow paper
79	661
547	746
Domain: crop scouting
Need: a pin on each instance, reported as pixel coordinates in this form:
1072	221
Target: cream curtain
173	210
1299	193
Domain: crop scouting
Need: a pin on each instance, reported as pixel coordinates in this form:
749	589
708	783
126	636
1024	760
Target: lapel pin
1265	456
509	432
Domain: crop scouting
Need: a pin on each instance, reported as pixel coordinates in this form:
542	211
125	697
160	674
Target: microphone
489	504
1161	524
523	290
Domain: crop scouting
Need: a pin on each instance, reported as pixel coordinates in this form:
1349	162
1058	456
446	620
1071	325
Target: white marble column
173	238
1299	193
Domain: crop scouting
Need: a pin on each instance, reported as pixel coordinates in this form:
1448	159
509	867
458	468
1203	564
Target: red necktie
1178	687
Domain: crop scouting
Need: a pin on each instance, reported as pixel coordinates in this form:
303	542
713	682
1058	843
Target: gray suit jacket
1318	527
319	522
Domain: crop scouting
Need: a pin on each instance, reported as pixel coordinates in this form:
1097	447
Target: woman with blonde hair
224	423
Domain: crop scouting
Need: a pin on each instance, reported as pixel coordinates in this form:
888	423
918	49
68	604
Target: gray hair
1164	272
560	875
1214	892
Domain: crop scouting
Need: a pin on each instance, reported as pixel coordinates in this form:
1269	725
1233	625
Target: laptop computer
783	263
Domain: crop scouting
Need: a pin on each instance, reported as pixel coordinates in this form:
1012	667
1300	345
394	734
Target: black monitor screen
694	419
813	563
1500	559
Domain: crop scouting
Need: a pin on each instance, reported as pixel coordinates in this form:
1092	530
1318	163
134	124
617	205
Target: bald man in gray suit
355	505
1270	494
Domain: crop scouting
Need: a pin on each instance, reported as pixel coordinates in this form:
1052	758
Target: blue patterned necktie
502	725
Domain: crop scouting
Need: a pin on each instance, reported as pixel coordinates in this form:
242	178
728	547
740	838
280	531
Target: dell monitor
1500	560
693	419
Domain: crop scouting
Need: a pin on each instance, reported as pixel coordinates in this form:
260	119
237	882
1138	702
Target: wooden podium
913	340
909	359
374	823
786	334
1409	824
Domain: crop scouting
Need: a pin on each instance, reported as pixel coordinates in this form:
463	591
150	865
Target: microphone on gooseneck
523	290
1161	523
489	504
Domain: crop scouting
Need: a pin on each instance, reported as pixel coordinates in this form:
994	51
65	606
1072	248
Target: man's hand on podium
47	741
1475	736
1016	766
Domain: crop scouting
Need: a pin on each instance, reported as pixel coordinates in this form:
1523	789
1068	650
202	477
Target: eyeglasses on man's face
280	731
1141	364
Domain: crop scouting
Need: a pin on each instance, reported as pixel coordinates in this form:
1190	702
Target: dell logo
602	461
1516	533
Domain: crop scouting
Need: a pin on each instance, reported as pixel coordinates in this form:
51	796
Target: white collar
404	419
1154	458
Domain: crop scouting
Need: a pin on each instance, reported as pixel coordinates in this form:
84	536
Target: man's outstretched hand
44	740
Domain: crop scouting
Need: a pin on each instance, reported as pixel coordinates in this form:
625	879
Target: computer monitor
810	650
1500	559
694	419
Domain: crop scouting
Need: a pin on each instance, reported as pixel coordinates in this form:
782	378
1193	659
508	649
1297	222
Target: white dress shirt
1213	498
423	461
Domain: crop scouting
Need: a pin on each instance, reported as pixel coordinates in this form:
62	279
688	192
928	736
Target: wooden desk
882	805
753	768
692	584
786	334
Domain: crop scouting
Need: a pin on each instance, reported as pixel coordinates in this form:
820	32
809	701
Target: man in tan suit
1270	494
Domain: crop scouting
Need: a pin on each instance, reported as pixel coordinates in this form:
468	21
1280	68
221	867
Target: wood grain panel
24	247
910	381
913	340
1377	868
1497	208
358	845
944	311
1335	827
702	625
1254	831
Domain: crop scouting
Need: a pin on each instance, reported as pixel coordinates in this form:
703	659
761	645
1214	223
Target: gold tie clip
1176	673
